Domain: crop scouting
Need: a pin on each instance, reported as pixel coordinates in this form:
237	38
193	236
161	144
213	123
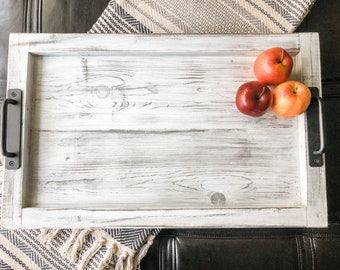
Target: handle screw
316	161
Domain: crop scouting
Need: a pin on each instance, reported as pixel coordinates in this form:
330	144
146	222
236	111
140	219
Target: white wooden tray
134	131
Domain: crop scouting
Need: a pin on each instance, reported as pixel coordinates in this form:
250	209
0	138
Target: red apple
290	99
273	66
253	98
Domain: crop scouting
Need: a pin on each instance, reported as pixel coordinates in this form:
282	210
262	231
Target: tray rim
15	215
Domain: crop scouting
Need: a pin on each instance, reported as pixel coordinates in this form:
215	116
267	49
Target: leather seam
39	15
173	253
299	253
160	253
24	26
312	252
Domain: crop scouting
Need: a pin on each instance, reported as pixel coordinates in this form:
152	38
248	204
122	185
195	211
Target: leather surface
324	18
245	249
327	248
78	15
11	20
332	131
229	249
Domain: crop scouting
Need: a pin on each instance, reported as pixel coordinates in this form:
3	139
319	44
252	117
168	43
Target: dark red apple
254	98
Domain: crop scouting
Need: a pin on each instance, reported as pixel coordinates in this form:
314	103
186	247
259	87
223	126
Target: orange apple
273	66
290	99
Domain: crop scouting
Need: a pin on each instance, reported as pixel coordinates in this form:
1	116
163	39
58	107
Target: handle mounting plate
11	129
315	129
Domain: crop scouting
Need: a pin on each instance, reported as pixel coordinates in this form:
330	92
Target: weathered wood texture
146	129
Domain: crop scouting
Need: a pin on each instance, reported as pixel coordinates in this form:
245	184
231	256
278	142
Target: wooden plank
13	186
219	218
164	169
316	179
83	44
142	92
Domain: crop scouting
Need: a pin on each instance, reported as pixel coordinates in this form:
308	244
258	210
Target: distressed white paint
197	217
316	176
125	130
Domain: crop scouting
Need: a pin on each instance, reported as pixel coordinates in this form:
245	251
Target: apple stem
282	53
260	95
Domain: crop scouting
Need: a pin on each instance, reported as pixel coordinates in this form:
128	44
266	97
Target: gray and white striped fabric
23	249
123	248
202	16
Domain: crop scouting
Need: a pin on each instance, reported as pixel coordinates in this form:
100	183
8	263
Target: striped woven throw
122	249
202	16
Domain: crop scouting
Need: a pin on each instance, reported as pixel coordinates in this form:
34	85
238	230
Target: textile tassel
44	235
67	246
54	234
78	245
97	245
143	250
47	235
128	263
121	260
111	249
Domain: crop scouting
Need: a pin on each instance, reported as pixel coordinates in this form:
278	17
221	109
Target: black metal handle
321	127
315	125
11	129
4	127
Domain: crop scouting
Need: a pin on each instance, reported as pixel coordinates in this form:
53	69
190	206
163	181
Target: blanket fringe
66	248
143	250
97	245
47	235
111	249
43	235
78	245
123	253
127	259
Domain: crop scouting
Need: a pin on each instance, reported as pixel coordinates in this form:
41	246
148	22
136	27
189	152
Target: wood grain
155	130
167	169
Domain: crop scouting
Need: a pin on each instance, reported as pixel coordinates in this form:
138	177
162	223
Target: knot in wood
218	198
